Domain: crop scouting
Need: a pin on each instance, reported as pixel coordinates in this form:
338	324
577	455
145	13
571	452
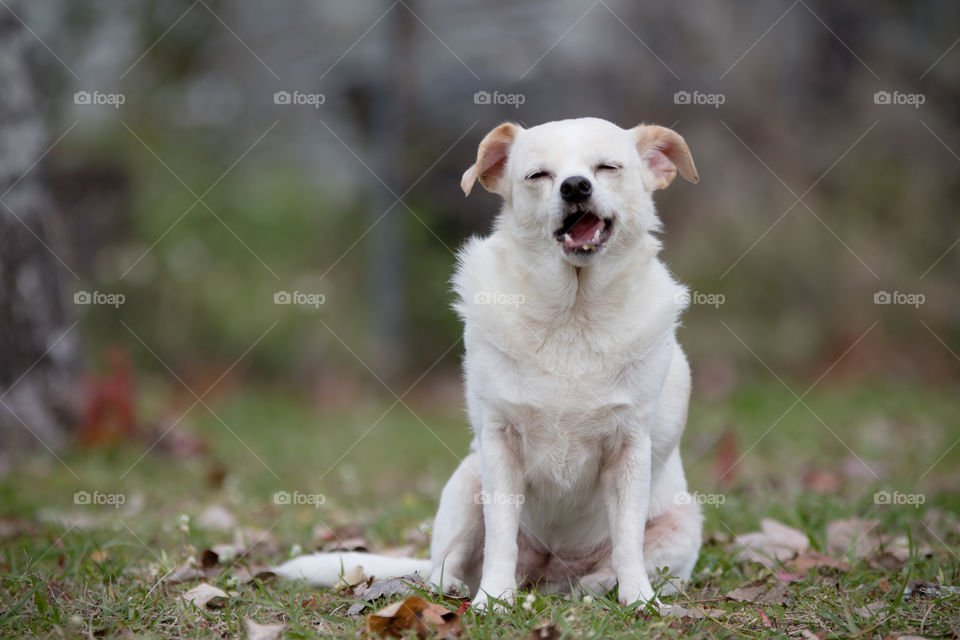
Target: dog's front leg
626	494
502	502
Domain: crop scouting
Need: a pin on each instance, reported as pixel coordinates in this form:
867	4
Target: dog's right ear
491	161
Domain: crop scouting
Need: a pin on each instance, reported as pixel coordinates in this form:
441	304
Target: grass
73	571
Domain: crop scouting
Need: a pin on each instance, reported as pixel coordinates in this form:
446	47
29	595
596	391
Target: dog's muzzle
583	232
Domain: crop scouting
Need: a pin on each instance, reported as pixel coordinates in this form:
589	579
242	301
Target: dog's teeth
596	235
567	239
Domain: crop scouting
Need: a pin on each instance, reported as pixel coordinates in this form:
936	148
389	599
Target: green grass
75	571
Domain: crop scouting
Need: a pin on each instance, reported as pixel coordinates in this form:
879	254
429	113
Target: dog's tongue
583	231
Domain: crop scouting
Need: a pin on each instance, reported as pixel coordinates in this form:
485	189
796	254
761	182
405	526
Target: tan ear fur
492	155
664	152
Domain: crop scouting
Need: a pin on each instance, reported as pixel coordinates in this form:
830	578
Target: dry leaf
418	615
892	559
217	517
205	595
774	543
545	632
870	610
676	611
389	588
184	573
925	589
257	631
351	578
855	534
757	591
811	559
209	558
99	555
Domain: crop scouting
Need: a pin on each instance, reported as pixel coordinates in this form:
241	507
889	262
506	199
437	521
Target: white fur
576	387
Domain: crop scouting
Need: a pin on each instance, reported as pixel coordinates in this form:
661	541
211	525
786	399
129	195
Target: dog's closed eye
608	166
537	175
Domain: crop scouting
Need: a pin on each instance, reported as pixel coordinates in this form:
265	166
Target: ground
74	567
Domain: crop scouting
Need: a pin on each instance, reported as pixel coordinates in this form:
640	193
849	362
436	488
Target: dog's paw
494	598
636	592
449	586
595	584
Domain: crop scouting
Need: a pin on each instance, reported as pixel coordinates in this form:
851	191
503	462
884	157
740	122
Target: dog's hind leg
456	550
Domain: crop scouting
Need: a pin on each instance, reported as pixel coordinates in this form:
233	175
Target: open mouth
583	232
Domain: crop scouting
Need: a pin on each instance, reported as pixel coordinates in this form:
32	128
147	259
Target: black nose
575	189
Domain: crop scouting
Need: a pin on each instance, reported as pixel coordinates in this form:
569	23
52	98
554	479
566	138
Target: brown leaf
811	559
209	558
257	631
389	588
99	556
684	613
415	614
860	536
774	543
892	559
205	595
758	591
545	632
870	611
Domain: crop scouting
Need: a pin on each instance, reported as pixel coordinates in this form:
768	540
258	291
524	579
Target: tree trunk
39	342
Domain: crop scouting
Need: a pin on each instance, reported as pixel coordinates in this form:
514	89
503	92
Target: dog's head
581	185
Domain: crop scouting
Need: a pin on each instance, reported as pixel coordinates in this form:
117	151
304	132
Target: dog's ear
663	152
491	159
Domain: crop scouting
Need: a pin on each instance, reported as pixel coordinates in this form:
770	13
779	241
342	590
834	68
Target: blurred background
228	227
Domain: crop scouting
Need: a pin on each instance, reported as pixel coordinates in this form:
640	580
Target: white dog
576	387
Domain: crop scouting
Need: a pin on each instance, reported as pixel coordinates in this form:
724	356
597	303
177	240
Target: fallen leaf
209	558
892	559
217	517
853	534
788	577
811	559
351	578
765	619
388	588
257	631
924	589
545	632
758	590
417	615
870	610
184	573
205	595
774	543
684	613
99	556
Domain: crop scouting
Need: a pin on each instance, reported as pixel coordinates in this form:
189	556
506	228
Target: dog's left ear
491	161
663	152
